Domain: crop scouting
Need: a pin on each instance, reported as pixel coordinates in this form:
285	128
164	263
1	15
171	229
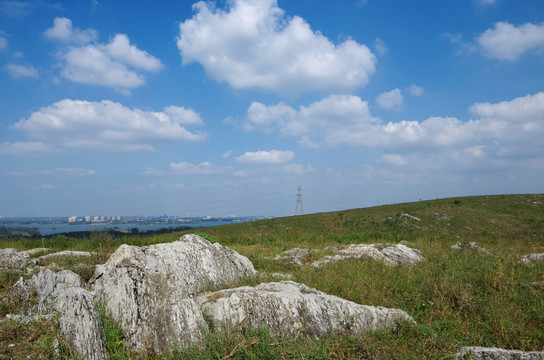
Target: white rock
288	308
62	254
472	246
476	352
294	256
390	254
149	289
530	258
79	320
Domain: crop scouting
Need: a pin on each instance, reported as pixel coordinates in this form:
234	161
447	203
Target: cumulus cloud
20	71
62	30
204	168
28	149
266	157
390	100
505	129
508	42
253	44
116	64
106	126
415	90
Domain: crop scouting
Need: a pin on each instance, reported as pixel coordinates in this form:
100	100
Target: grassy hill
458	298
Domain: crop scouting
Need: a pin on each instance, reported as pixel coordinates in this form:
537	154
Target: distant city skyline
227	107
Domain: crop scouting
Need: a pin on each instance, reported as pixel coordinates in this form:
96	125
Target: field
458	297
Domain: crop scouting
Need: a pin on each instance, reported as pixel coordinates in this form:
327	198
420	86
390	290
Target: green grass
458	298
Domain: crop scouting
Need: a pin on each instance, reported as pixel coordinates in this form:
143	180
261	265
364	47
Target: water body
50	229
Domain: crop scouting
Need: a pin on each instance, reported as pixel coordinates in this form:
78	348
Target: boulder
18	260
294	256
49	294
288	308
476	352
150	289
390	254
473	247
530	258
62	254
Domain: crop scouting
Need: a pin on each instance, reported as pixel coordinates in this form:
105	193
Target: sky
225	108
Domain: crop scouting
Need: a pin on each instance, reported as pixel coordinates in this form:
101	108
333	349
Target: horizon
361	102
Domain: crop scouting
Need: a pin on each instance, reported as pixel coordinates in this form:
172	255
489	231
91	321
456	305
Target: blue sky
226	107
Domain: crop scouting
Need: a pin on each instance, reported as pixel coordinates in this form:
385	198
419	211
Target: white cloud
62	30
361	3
306	142
486	2
298	169
116	64
415	90
20	71
253	44
104	126
266	157
15	8
267	118
227	154
508	42
3	43
502	130
380	47
204	168
29	149
121	50
393	159
390	100
183	115
90	65
78	172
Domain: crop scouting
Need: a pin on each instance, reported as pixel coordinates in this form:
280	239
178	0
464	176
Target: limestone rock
294	256
530	258
51	293
149	289
390	254
472	246
18	260
288	308
62	254
476	352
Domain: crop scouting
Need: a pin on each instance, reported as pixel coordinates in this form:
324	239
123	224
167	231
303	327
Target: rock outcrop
288	308
531	258
476	352
156	295
150	289
472	246
396	255
294	256
63	254
14	259
49	294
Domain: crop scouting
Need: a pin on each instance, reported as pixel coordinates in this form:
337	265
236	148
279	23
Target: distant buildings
94	219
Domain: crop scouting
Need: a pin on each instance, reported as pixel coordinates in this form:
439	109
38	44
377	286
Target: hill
459	297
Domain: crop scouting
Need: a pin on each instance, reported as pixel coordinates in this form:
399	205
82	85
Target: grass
458	297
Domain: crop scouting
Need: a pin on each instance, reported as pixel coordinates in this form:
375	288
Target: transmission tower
300	207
